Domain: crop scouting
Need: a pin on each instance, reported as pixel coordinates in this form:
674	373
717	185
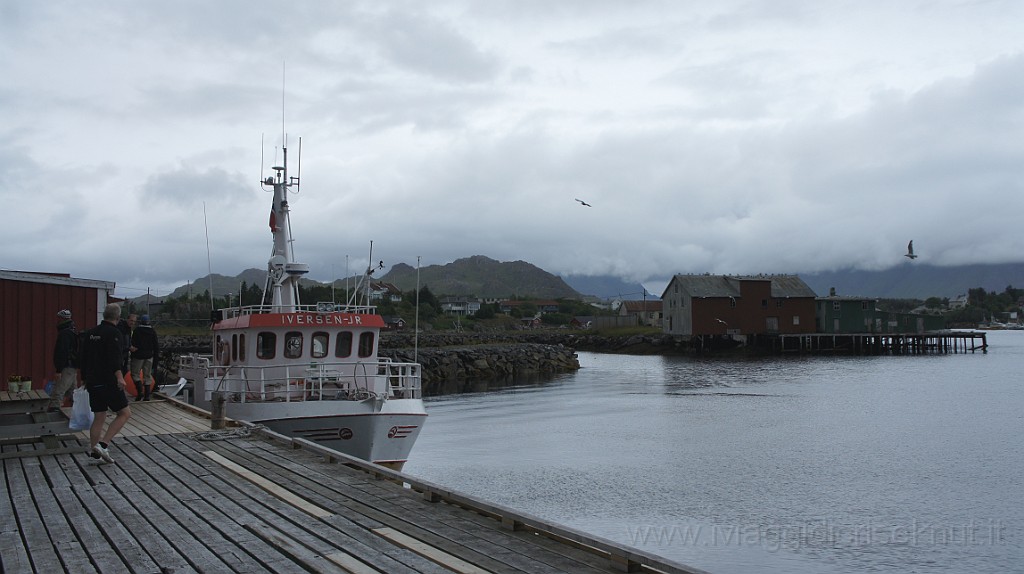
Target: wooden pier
939	342
182	498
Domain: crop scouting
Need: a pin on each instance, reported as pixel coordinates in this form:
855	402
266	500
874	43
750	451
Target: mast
283	272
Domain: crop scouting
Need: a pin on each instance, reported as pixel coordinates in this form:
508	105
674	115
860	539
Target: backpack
78	348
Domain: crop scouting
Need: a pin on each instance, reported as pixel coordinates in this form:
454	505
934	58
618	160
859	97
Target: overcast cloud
724	137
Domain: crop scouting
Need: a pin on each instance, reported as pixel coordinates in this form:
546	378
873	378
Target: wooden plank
86	516
350	563
378	513
338	531
208	515
145	515
286	518
269	487
30	521
429	552
72	554
13	553
300	554
531	524
519	552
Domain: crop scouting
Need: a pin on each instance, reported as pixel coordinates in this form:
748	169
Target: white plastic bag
81	415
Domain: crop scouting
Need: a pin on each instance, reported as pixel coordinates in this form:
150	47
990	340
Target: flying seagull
583	203
910	251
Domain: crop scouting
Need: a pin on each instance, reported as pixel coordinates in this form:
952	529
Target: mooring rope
226	434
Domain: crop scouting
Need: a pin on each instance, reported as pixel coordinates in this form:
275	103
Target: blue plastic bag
81	414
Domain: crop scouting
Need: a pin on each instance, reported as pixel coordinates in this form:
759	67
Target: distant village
707	304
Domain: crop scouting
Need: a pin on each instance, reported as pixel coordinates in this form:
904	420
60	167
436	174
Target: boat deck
181	498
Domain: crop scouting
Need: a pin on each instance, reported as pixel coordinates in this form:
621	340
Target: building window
292	345
234	347
835	305
764	303
796	319
343	346
865	305
778	303
266	345
241	347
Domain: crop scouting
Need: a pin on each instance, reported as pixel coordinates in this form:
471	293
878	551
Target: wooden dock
181	498
939	342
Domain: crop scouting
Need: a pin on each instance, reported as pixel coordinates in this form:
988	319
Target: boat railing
351	380
230	312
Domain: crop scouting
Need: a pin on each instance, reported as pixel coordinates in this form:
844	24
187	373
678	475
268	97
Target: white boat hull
382	432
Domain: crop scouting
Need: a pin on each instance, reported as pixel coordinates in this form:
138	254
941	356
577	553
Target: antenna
298	178
209	265
262	159
283	142
416	325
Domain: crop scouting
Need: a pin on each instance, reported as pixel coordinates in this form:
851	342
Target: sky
727	137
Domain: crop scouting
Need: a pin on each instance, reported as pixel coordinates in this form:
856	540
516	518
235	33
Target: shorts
103	397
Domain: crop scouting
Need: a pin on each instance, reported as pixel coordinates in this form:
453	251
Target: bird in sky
910	251
583	203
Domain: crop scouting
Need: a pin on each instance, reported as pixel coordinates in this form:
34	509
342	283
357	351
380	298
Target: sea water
789	464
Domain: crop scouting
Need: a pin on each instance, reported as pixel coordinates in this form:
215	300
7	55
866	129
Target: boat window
241	347
266	345
343	346
234	347
292	345
320	340
365	344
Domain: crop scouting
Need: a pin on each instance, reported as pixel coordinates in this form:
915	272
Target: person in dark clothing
63	363
126	326
101	368
145	349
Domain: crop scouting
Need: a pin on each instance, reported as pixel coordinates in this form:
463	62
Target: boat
308	371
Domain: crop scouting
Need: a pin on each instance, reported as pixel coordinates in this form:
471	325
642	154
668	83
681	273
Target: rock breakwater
450	364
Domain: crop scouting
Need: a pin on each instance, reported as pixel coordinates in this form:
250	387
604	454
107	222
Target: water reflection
792	464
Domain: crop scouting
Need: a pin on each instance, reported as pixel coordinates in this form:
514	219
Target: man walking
145	349
64	359
104	378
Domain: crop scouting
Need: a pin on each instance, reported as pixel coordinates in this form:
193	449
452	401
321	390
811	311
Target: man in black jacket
63	359
145	349
101	369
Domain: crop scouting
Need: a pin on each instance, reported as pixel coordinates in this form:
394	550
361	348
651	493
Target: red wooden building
29	303
737	306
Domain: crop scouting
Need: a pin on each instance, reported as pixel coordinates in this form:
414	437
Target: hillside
917	281
483	277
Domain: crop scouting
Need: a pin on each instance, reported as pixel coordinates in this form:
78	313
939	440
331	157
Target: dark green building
845	314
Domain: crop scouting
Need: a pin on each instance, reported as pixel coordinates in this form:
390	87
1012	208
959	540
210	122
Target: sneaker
102	451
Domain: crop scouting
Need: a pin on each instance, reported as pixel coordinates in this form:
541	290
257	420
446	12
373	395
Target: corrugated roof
55	279
728	286
707	285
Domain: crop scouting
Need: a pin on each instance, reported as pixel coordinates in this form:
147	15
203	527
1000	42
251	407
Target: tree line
196	310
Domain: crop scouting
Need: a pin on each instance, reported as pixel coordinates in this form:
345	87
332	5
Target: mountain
222	284
608	287
917	281
482	277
